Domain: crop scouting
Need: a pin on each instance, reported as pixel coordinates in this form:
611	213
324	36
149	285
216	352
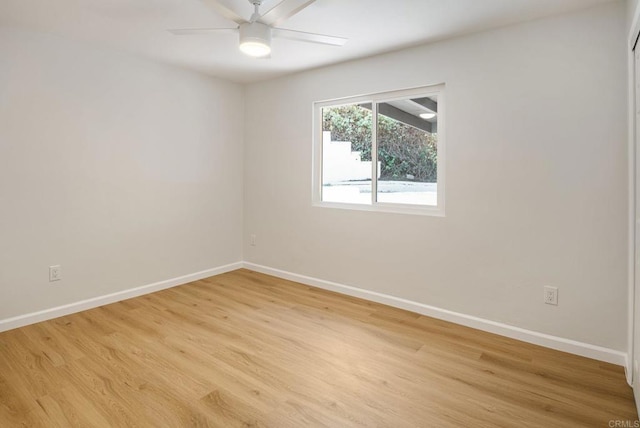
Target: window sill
385	208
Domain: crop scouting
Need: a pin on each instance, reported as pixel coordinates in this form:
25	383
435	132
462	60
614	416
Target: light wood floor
248	350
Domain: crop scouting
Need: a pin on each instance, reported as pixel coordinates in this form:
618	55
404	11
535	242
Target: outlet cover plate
550	295
55	273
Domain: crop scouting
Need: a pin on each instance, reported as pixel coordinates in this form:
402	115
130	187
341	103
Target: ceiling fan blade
224	11
201	31
283	11
308	37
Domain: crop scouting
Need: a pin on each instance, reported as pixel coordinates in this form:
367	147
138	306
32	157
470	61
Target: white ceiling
372	27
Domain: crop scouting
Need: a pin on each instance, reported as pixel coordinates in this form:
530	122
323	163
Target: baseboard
546	340
47	314
561	344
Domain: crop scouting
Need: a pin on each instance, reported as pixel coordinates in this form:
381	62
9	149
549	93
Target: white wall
536	179
123	171
632	7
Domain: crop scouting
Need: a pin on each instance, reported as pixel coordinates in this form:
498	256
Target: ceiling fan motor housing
255	32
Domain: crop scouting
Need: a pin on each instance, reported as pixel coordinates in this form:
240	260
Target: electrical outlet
55	273
550	295
252	240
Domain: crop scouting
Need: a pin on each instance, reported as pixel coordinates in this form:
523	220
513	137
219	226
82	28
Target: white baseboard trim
542	339
558	343
94	302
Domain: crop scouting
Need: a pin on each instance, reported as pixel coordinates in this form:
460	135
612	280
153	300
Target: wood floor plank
245	349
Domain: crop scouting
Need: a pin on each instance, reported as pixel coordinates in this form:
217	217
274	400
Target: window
382	152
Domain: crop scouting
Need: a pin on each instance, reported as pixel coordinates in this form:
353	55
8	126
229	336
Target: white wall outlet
252	240
550	295
55	273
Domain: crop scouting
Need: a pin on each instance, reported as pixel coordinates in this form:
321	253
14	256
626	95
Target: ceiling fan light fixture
255	39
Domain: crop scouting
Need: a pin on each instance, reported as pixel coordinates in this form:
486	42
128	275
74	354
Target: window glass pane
346	153
408	151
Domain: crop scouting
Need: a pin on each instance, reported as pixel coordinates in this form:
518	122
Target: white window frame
374	99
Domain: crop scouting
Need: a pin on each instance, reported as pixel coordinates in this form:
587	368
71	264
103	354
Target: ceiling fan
256	33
